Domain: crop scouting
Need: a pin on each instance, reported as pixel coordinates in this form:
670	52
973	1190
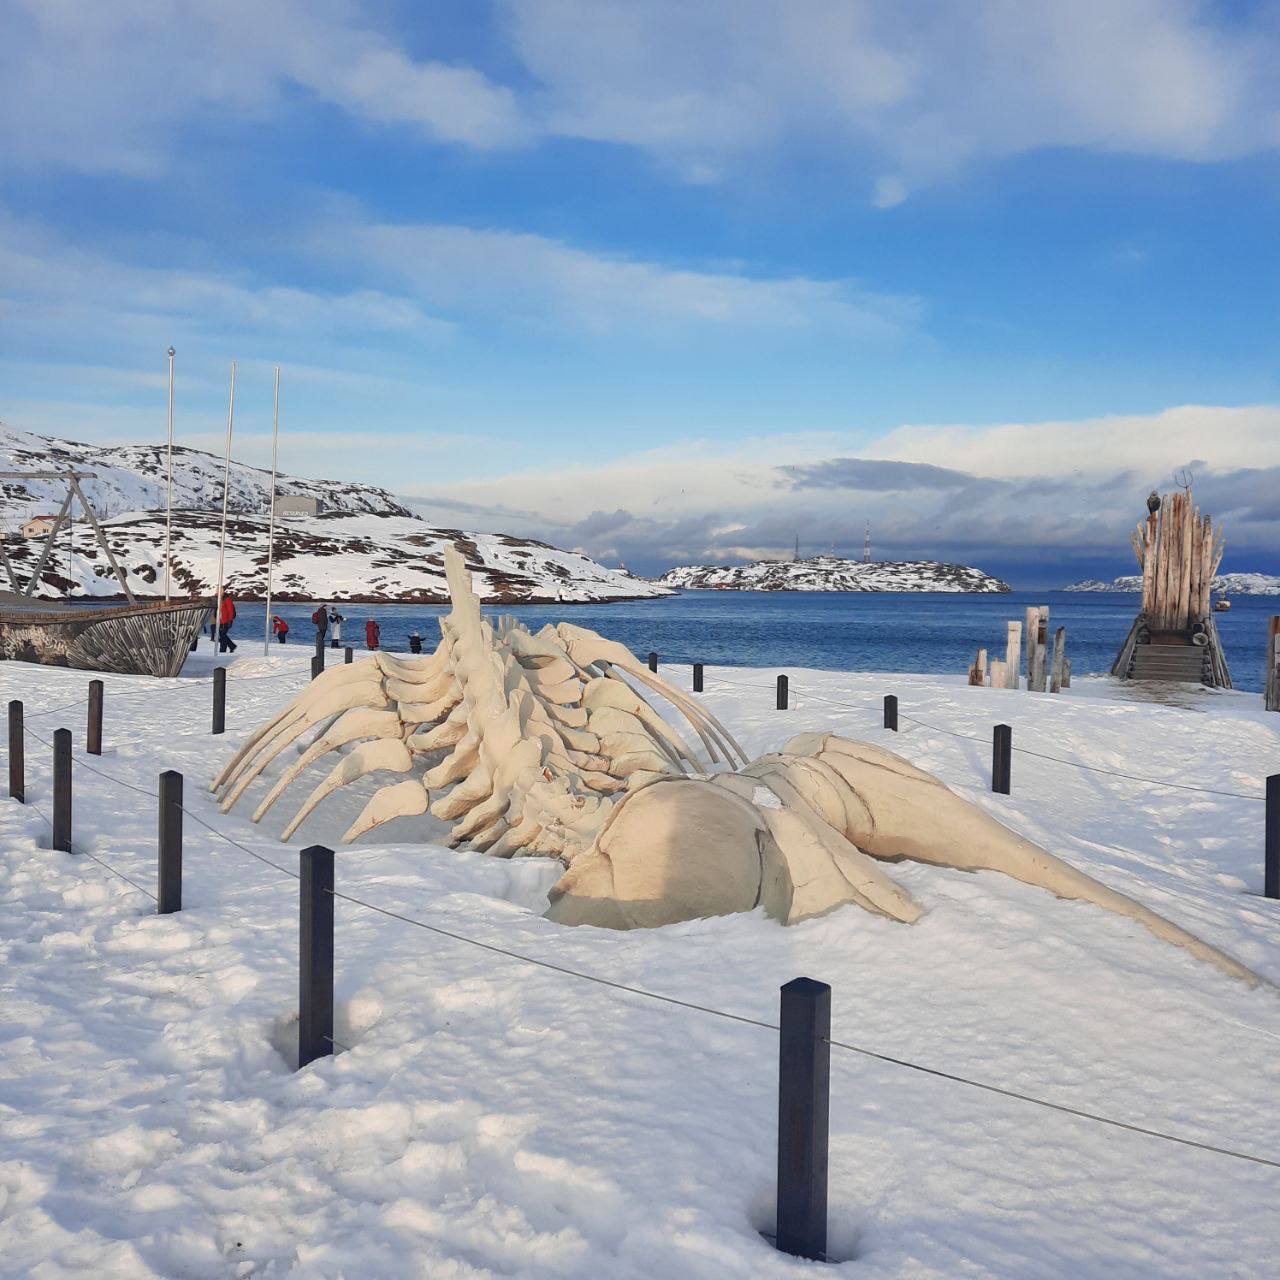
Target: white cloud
534	277
926	88
1147	444
909	91
50	287
1023	492
109	87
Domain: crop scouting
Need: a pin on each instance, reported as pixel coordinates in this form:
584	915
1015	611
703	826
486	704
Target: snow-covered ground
328	557
134	477
492	1118
833	573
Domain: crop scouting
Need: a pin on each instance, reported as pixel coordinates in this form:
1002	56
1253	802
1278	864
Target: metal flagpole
271	523
226	487
168	499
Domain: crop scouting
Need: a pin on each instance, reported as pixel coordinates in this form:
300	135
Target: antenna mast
866	545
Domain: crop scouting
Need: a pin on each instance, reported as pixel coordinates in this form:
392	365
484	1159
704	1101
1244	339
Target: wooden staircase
1176	662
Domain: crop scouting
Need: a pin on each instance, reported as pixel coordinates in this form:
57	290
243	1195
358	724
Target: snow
133	477
1235	584
832	573
326	557
492	1118
362	546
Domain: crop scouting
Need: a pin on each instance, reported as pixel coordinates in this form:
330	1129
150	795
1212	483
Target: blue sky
649	278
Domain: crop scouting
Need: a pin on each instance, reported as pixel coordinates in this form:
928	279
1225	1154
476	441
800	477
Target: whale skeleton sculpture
543	744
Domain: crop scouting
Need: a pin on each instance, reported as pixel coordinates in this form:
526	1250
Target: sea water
838	631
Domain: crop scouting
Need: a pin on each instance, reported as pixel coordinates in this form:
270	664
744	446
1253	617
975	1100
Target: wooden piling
804	1105
17	754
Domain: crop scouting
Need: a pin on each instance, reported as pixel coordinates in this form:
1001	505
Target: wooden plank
1031	633
1059	657
1013	656
1149	564
1182	617
1271	696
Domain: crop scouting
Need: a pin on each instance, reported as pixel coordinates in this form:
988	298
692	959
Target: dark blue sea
899	631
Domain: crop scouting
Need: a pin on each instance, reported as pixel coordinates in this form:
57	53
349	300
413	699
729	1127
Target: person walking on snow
372	634
321	619
279	628
225	619
415	643
335	626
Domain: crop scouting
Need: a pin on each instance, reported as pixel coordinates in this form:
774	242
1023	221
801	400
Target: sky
669	282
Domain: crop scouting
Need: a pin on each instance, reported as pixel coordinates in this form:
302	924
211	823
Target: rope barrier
85	853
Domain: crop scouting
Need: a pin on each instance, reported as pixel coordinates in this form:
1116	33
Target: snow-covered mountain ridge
131	477
337	556
831	573
363	546
1234	584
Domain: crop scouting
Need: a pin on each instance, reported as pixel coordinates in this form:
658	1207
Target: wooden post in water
1013	656
1271	695
1059	658
1031	634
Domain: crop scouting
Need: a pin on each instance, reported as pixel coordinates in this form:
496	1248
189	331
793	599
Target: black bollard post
320	644
891	711
93	737
317	666
804	1101
782	693
17	755
62	790
1001	759
653	660
315	957
1271	877
697	677
347	655
169	883
219	699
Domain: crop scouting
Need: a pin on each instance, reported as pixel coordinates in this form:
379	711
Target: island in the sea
1227	584
832	573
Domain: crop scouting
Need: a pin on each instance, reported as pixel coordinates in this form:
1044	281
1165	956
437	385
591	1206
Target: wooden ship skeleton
132	639
1174	637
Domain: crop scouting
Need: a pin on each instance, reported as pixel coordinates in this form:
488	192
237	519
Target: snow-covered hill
327	557
363	546
1233	584
831	573
131	477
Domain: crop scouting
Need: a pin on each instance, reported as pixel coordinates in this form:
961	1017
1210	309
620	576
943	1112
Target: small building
296	504
39	526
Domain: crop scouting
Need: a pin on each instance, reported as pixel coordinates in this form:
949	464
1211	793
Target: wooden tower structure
1174	636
